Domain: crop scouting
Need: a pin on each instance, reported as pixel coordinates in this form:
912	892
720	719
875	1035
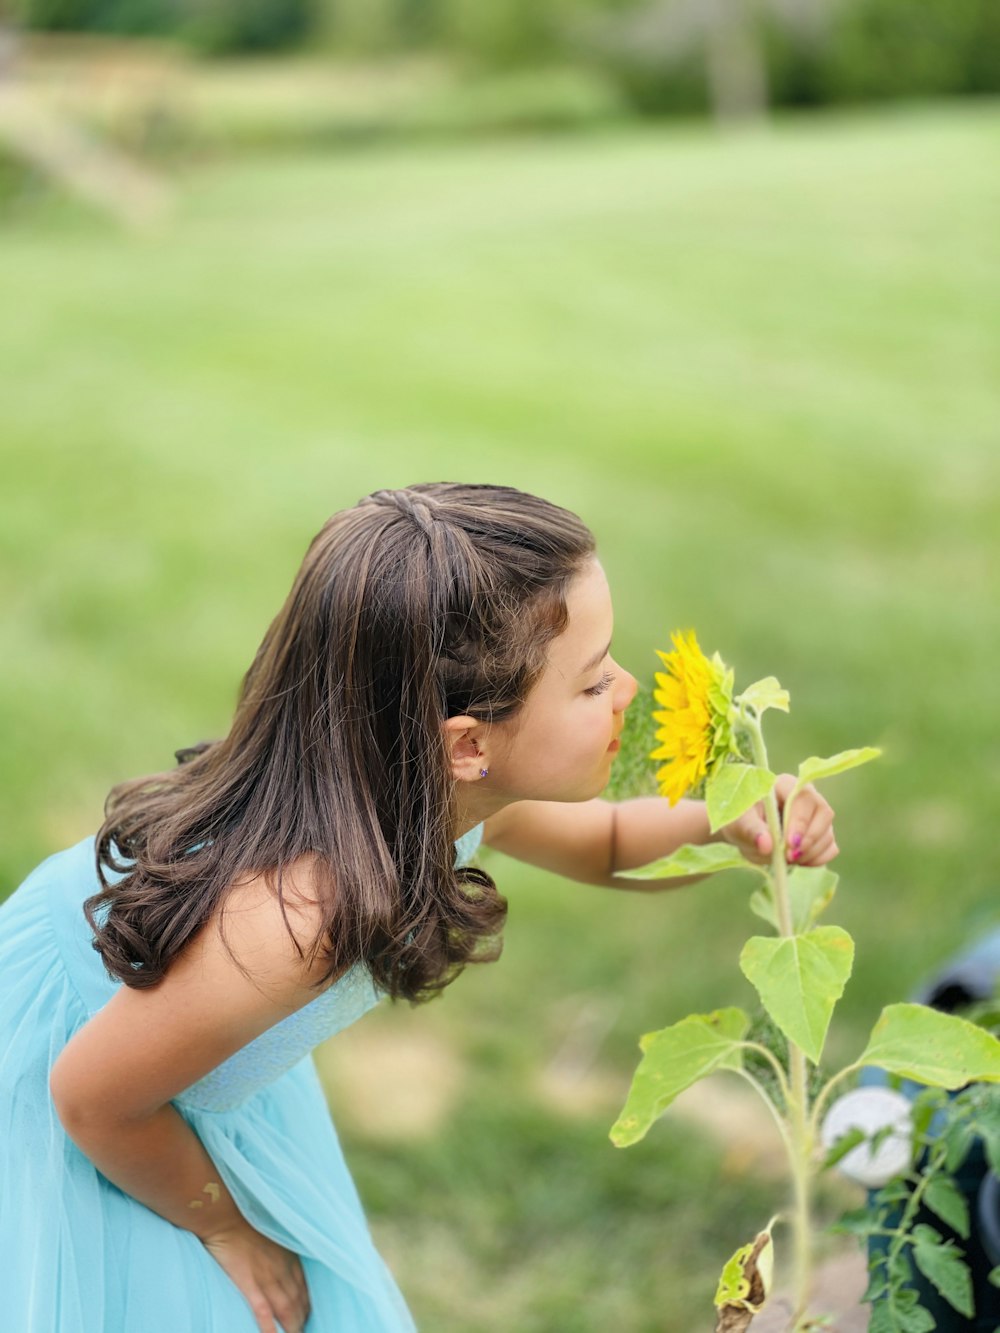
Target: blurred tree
727	37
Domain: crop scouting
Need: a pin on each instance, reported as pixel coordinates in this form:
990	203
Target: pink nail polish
796	841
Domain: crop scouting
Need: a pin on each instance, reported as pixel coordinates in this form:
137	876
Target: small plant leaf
931	1047
860	1222
673	1059
898	1312
764	694
762	904
692	859
810	892
745	1284
733	789
994	1277
945	1268
843	1146
799	980
815	769
943	1197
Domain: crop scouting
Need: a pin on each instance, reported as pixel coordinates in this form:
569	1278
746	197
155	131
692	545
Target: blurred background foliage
645	56
764	366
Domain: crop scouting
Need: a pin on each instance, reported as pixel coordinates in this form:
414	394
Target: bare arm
593	840
113	1083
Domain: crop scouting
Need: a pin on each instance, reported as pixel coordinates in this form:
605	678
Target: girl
440	673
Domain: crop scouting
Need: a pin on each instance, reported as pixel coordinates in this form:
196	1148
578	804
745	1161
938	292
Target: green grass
764	368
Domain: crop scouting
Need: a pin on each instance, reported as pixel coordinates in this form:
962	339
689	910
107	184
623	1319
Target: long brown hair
411	607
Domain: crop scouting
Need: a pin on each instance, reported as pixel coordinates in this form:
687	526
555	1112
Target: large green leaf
934	1048
815	769
764	694
733	789
799	980
673	1059
692	859
810	891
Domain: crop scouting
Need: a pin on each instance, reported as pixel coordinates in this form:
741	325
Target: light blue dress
77	1255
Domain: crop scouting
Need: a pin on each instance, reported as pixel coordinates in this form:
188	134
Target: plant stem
924	1178
800	1129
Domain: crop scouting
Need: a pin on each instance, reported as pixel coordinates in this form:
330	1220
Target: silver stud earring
484	772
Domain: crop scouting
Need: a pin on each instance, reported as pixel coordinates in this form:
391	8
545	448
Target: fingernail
796	841
794	854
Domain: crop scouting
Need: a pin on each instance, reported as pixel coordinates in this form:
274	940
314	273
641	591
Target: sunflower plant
710	743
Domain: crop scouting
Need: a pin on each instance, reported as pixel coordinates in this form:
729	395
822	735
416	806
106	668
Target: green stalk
800	1138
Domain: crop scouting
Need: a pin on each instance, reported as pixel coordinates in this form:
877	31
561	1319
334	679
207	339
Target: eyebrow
596	659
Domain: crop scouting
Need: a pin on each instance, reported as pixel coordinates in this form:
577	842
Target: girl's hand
269	1276
809	839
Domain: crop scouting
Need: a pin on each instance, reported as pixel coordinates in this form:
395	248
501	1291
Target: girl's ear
466	742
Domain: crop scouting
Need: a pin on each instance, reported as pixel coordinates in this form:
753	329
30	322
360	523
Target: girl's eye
606	680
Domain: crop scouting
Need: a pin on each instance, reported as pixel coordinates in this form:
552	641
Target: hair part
415	605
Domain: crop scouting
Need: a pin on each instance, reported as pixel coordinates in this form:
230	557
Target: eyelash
606	681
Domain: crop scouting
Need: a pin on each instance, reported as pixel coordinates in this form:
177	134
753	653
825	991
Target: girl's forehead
589	620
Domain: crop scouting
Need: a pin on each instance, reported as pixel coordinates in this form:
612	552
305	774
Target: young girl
441	673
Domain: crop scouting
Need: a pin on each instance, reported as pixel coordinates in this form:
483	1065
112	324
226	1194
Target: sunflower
696	694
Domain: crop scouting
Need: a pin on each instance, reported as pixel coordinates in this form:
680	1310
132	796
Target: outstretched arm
593	840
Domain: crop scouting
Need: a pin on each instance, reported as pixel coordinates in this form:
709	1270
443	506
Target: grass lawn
766	369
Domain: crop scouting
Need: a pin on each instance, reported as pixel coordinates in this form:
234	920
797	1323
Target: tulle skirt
77	1255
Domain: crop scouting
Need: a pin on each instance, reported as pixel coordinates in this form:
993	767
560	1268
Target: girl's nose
626	692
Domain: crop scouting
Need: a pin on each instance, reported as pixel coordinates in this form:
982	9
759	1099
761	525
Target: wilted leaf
673	1059
799	980
692	859
931	1047
733	789
745	1284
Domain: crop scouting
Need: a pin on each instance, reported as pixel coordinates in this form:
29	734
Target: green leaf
764	694
945	1268
800	980
899	1312
733	789
843	1146
943	1197
810	892
673	1059
860	1222
994	1277
762	904
815	769
930	1047
692	859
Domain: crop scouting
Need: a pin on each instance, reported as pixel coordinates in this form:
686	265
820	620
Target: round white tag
871	1110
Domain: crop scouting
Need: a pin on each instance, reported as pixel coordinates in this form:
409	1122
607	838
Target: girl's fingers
262	1312
824	849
